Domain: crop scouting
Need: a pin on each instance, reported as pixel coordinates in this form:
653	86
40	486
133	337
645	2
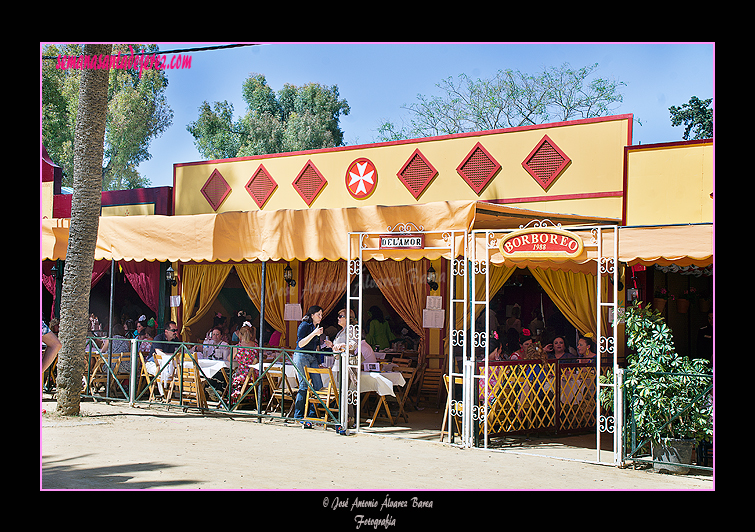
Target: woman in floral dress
244	360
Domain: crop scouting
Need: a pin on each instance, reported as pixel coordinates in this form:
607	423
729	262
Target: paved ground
114	446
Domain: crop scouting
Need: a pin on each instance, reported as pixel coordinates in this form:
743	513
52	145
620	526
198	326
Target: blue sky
377	79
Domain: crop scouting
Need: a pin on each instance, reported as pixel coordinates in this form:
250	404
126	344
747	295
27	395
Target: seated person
215	348
163	345
368	355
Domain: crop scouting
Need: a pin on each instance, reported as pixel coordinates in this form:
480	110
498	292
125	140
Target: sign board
292	312
542	243
402	241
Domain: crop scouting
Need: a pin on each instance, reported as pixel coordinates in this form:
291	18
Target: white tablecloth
291	373
209	367
375	381
382	383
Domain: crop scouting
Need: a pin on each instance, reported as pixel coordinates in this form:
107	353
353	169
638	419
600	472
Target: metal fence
179	379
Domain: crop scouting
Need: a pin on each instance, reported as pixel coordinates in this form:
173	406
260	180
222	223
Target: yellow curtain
323	283
275	291
498	277
404	285
575	295
205	280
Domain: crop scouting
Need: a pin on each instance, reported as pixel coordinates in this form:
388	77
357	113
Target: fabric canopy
309	234
317	234
683	245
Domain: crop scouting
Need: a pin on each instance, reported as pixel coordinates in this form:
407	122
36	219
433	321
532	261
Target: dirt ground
116	446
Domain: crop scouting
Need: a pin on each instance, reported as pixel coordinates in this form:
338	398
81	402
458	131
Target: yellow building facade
583	167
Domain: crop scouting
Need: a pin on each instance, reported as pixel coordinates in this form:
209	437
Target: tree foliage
297	118
137	113
697	117
509	99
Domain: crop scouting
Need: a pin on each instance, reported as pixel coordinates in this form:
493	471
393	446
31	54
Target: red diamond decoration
417	173
216	189
546	162
478	168
309	183
261	186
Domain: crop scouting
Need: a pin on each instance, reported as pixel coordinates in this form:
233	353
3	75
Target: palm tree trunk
82	239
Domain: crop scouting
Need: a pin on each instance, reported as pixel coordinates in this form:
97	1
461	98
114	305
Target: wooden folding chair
145	378
402	392
280	390
328	395
248	382
457	380
120	374
165	375
189	384
402	361
98	374
381	404
430	381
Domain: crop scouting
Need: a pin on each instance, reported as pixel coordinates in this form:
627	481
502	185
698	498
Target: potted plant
670	394
661	297
682	303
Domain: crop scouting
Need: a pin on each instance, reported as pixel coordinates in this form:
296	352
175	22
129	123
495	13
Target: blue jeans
302	360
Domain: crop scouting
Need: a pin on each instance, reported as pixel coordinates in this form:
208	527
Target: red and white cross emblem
361	178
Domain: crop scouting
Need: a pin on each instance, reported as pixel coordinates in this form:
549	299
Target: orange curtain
323	284
575	295
499	274
275	291
404	285
205	280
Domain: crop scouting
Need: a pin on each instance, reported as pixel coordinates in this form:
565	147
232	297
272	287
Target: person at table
307	343
368	354
145	340
584	350
558	349
163	341
120	345
513	322
525	340
163	345
339	340
379	332
244	359
215	348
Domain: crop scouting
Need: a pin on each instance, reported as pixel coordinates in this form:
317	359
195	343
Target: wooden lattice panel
577	397
522	397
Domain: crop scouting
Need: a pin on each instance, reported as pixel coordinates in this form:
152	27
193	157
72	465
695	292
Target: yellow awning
317	234
313	234
683	245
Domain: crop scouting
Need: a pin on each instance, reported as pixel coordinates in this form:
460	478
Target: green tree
697	117
297	118
137	113
509	99
88	152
